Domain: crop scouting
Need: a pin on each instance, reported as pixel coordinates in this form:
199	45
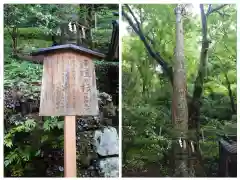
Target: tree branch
198	84
155	55
204	23
210	10
134	17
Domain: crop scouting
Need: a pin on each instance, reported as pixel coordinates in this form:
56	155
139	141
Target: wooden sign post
68	89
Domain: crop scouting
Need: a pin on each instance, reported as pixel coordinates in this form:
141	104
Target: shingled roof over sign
72	47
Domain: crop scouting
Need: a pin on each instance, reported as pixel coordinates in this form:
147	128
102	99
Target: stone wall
97	142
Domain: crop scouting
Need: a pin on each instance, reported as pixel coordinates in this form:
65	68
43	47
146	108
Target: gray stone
106	141
109	167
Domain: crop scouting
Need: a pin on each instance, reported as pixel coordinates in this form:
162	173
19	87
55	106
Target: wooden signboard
68	81
68	85
68	89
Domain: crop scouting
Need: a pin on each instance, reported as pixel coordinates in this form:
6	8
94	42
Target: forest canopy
148	84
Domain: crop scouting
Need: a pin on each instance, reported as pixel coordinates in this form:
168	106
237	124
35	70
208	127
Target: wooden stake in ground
70	146
68	89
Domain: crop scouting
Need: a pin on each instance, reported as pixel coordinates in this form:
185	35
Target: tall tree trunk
180	116
79	28
194	122
88	20
194	108
62	36
79	37
14	40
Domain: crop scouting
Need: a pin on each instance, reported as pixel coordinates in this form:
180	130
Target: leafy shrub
31	33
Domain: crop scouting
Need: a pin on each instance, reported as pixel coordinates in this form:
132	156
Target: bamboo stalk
70	146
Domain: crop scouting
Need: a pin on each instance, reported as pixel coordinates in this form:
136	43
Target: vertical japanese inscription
86	85
68	81
57	86
81	69
47	75
73	84
62	97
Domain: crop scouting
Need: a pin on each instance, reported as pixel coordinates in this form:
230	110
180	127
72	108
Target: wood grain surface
68	85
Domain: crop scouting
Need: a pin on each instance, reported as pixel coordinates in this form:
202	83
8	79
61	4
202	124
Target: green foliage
31	33
26	138
22	75
101	34
51	123
41	21
15	14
